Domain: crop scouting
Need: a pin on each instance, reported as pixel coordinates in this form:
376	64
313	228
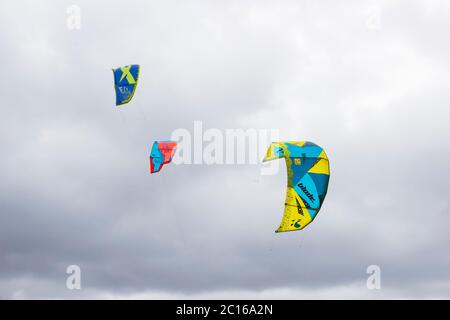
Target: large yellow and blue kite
125	83
308	175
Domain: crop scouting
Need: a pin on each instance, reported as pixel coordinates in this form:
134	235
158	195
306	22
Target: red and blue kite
161	154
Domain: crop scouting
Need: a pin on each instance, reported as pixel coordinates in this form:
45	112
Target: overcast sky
369	81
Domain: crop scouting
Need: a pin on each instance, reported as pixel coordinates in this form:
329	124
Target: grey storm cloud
368	81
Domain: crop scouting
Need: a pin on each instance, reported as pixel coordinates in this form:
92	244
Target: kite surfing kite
125	83
161	154
308	173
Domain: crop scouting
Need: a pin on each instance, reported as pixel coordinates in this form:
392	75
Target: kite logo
297	161
299	207
278	151
126	73
124	90
307	193
296	223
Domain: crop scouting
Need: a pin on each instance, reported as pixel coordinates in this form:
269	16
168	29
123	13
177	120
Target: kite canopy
308	174
125	82
161	154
